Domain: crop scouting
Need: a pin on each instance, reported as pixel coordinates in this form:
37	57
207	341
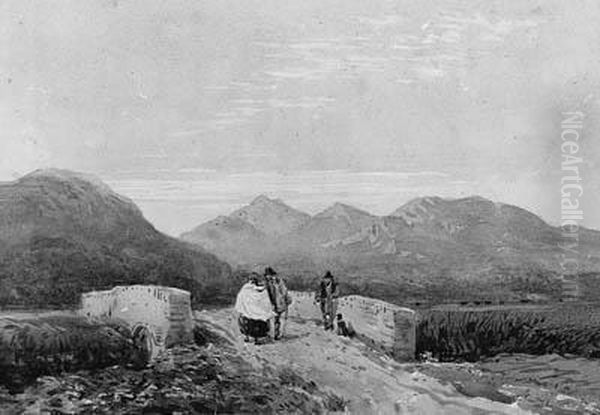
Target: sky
193	108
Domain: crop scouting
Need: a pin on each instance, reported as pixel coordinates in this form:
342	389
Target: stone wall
164	311
382	325
385	326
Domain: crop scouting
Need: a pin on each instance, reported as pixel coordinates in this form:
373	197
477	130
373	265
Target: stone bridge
384	326
159	316
163	316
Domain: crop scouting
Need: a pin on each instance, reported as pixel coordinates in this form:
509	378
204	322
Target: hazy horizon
192	108
176	206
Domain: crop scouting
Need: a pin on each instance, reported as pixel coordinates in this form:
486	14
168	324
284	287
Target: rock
417	404
479	389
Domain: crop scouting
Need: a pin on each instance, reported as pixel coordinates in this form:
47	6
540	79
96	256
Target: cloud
379	45
429	72
378	22
301	102
389	47
298	73
195	170
158	156
215	88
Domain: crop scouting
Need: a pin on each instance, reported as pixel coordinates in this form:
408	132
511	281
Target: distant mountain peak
475	198
422	205
339	209
263	199
424	200
271	216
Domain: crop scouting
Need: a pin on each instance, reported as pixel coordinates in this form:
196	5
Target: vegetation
62	234
30	348
406	291
209	377
472	334
53	272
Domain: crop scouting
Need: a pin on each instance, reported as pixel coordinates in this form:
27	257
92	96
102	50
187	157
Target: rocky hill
230	237
335	223
63	233
430	249
271	216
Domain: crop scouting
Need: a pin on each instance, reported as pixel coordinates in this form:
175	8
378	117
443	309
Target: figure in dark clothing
326	296
256	329
255	309
280	299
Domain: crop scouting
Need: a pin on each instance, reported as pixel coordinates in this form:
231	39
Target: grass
52	344
472	334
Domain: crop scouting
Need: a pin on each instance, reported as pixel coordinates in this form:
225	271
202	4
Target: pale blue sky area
194	107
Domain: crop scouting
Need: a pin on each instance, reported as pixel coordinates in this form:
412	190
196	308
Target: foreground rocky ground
309	371
206	378
368	382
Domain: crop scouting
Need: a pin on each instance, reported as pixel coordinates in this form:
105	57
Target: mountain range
64	233
429	248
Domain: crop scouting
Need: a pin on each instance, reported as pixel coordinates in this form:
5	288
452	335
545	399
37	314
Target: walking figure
280	300
326	296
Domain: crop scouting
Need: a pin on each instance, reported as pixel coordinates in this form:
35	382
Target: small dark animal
344	328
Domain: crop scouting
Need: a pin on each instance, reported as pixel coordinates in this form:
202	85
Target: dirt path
371	383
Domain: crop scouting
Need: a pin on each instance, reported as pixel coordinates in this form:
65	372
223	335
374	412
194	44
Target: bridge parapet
162	316
382	325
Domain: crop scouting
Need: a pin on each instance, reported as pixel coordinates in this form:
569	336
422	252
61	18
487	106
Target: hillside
63	233
231	237
430	249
